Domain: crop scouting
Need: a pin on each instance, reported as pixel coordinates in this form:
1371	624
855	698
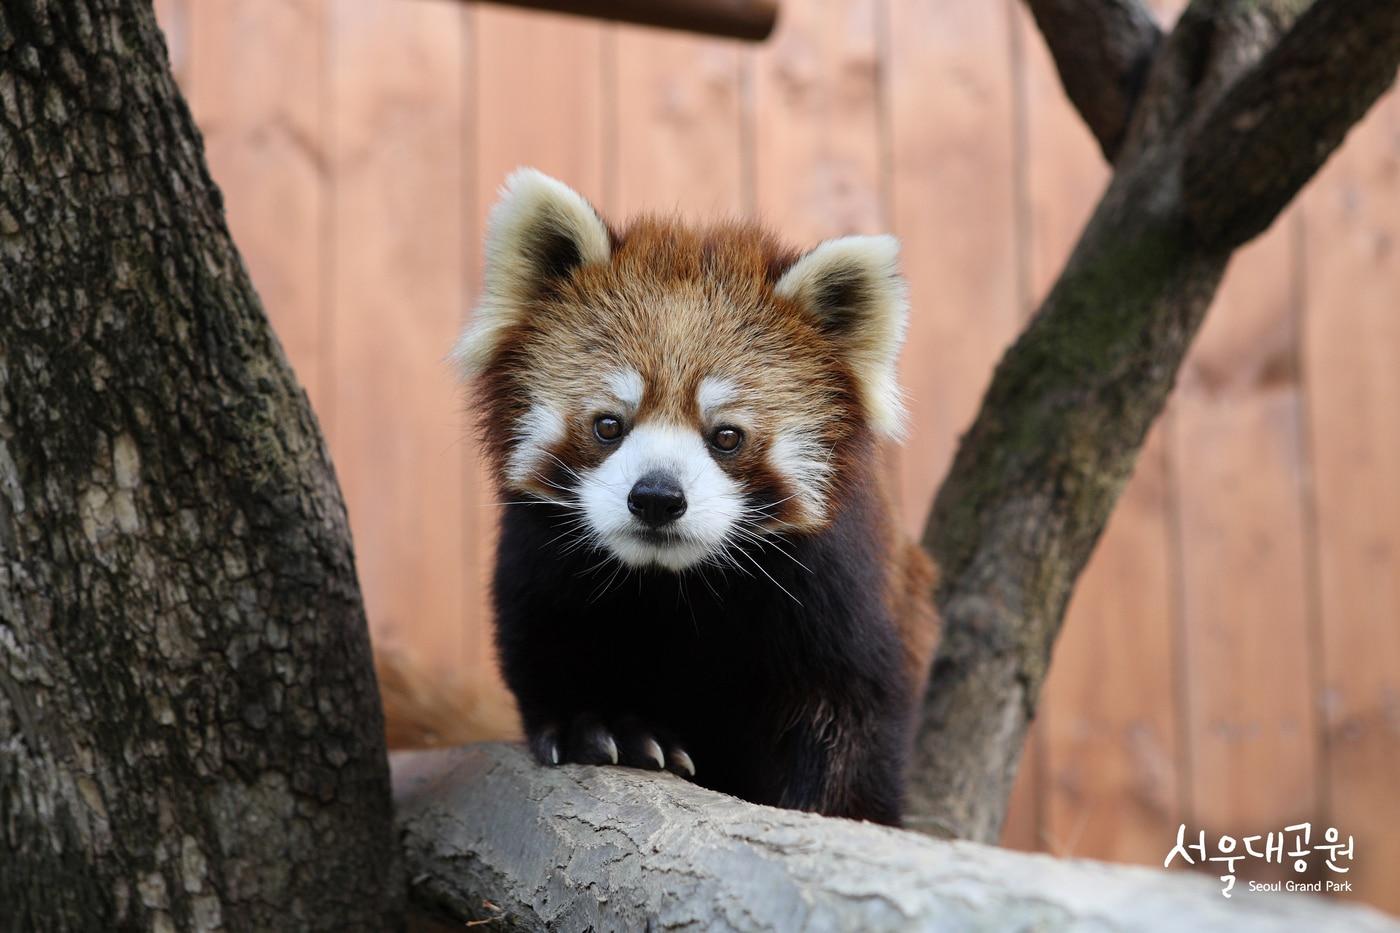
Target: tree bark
1280	122
190	735
491	836
1102	49
1223	135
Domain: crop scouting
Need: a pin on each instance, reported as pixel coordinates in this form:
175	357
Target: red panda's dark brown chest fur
698	569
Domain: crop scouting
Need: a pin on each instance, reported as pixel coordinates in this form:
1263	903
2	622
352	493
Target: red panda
698	567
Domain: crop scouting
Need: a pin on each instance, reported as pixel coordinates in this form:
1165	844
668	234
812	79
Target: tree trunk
491	836
190	735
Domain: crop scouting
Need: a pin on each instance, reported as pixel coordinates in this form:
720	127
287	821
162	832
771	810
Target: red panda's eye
726	440
607	428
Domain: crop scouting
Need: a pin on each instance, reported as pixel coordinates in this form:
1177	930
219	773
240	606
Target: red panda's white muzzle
687	508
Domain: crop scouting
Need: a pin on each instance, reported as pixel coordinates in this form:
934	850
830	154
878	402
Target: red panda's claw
639	747
653	750
545	746
678	762
590	742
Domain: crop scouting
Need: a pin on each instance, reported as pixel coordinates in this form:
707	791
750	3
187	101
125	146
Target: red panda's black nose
657	499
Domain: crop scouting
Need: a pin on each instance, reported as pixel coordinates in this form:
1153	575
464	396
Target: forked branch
1243	104
1102	50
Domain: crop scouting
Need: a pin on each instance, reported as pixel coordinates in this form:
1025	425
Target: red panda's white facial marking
692	526
627	388
714	394
709	366
809	467
538	429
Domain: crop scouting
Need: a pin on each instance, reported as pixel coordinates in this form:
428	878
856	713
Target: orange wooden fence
1232	656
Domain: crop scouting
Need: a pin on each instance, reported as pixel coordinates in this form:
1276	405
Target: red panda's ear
539	232
852	287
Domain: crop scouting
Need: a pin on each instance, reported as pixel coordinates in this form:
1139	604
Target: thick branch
1033	484
1102	50
734	19
1281	121
490	835
1037	475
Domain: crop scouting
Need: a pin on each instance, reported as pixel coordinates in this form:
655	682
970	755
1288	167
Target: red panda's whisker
573	526
768	505
563	534
549	483
709	586
607	559
762	541
724	557
770	577
602	590
681	598
568	469
586	539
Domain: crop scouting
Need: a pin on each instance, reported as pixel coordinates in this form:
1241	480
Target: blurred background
1232	655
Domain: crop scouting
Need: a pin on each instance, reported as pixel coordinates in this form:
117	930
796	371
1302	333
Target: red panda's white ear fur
538	232
853	288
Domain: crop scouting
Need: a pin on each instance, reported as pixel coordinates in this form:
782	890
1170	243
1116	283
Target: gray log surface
490	835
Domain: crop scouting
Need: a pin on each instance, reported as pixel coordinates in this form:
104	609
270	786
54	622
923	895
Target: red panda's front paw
588	740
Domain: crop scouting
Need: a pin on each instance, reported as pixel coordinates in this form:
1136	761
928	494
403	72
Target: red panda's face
681	391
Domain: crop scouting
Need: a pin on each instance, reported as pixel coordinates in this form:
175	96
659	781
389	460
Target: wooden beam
733	19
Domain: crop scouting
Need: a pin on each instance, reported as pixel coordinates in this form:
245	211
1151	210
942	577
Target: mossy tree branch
1242	105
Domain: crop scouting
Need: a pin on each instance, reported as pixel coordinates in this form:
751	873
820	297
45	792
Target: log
490	836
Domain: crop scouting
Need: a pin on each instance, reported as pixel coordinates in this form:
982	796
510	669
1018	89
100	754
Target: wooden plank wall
1232	655
1350	340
